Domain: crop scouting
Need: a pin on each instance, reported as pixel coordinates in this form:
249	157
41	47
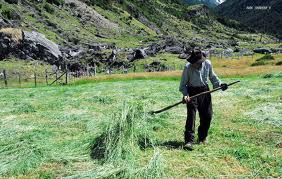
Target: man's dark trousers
203	104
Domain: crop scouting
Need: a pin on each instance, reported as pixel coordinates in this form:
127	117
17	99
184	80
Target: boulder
246	52
100	46
137	54
174	49
262	50
276	50
2	22
156	66
40	47
153	49
183	56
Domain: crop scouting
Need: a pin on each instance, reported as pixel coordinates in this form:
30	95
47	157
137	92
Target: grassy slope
46	131
169	17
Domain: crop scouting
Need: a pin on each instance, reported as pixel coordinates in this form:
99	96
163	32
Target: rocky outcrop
89	15
28	45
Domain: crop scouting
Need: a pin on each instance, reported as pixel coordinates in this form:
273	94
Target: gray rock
262	50
2	23
113	56
12	1
137	54
246	52
153	49
276	50
174	50
149	23
183	56
38	43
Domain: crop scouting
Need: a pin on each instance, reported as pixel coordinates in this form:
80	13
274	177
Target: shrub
266	57
259	63
268	76
279	63
7	13
48	7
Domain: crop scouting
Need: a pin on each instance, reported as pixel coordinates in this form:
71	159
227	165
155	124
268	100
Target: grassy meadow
103	129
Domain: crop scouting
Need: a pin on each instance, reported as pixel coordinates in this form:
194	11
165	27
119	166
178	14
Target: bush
259	63
266	57
279	63
48	7
7	13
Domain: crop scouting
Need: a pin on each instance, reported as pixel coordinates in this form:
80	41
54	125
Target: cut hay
270	113
126	135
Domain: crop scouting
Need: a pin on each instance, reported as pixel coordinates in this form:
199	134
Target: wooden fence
11	78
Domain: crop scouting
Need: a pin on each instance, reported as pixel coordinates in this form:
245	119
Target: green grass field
49	132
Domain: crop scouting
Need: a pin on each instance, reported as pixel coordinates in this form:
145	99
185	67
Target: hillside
112	21
111	33
264	15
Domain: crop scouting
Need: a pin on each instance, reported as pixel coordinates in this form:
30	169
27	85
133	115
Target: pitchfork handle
180	102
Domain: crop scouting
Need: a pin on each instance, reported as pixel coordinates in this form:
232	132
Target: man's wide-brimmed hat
196	56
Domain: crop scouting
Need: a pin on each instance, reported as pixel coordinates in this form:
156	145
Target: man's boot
188	146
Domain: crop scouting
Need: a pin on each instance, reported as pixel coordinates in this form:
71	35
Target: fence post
46	76
95	69
66	74
20	80
56	76
5	78
88	70
35	79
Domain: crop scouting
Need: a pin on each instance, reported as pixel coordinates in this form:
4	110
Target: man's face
197	65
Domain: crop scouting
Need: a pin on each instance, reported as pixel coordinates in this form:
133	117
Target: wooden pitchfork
181	102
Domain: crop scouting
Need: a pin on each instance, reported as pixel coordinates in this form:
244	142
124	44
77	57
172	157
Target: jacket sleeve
183	83
213	77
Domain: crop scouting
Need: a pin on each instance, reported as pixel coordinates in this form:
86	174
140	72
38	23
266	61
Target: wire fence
57	76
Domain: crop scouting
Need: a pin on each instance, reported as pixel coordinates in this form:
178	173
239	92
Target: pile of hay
127	133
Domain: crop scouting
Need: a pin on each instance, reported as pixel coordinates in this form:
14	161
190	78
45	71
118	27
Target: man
194	81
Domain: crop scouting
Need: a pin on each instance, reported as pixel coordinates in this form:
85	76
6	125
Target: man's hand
224	86
186	99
